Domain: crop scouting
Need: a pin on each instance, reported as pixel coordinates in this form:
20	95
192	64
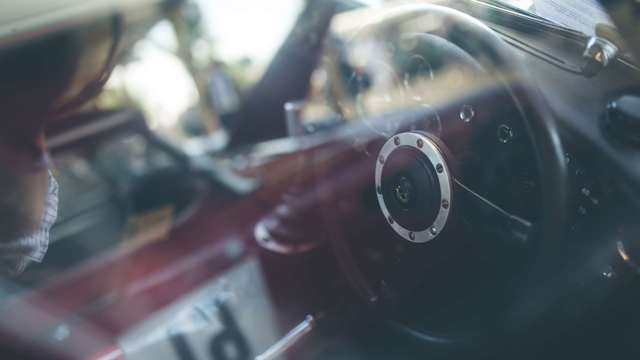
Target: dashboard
381	83
390	83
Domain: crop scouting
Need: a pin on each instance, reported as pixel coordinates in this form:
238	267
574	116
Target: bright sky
251	28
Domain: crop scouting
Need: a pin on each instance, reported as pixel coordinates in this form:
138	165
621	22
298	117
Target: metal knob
623	119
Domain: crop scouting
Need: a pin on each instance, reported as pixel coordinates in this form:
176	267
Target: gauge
416	81
380	99
378	91
417	75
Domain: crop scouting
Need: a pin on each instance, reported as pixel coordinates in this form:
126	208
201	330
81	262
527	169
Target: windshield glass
580	15
209	59
316	179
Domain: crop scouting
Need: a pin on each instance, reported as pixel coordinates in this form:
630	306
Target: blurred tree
186	20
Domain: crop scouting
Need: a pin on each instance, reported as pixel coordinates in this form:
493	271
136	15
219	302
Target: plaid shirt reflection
17	254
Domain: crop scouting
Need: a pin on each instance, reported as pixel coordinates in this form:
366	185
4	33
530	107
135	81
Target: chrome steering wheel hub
413	186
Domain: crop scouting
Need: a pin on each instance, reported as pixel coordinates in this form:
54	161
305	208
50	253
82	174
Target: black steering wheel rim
479	41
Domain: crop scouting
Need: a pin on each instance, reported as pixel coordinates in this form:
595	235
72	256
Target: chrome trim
290	339
265	240
430	149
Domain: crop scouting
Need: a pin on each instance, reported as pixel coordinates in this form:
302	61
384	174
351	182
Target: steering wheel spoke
491	217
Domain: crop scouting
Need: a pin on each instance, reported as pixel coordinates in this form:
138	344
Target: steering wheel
422	205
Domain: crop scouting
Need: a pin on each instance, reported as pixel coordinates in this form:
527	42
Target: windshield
316	179
579	15
210	59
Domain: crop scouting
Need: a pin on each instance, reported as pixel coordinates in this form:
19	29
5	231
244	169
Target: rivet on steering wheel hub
413	185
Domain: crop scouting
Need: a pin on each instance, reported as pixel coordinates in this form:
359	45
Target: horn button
414	186
410	188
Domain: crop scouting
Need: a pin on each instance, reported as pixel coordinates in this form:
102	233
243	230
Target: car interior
327	179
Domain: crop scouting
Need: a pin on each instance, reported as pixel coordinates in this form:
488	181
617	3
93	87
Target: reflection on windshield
579	15
520	4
